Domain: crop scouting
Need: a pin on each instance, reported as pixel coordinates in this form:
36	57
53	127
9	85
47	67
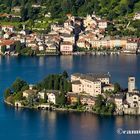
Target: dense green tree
3	49
18	47
56	82
18	85
108	8
18	96
117	87
61	99
24	13
65	74
103	106
7	93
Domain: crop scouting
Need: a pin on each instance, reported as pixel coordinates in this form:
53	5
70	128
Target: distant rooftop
91	76
107	75
76	82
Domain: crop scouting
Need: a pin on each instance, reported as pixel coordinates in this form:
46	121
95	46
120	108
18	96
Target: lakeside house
66	47
107	87
72	98
7	45
132	45
29	92
52	49
87	100
46	95
83	99
18	104
52	98
119	101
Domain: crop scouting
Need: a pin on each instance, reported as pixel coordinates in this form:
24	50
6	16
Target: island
78	92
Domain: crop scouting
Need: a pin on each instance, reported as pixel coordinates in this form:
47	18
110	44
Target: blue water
27	124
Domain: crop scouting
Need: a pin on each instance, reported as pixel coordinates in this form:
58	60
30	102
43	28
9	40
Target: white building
18	104
89	83
102	24
119	102
29	92
66	47
52	98
42	94
108	87
67	38
133	99
137	16
131	45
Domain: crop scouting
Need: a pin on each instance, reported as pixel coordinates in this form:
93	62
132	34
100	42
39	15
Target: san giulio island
80	92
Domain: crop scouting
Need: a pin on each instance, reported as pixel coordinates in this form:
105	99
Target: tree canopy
55	82
18	85
57	8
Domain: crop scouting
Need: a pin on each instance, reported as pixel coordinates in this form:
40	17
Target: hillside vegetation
58	8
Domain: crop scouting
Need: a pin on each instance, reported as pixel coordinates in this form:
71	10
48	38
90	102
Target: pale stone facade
18	104
133	99
109	87
66	48
119	103
132	46
42	94
137	16
29	92
131	84
52	98
102	24
89	83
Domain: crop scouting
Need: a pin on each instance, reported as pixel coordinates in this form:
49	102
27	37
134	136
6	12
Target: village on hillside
77	35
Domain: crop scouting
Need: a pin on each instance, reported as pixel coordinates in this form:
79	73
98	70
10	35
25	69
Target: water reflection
41	61
66	62
46	125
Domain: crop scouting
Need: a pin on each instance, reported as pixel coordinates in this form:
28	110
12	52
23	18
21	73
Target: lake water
42	125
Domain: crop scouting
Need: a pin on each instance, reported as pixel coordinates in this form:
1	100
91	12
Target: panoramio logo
121	131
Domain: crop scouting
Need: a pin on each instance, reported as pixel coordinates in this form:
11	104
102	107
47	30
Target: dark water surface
40	125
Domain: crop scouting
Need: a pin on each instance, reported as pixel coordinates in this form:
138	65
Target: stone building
131	84
89	83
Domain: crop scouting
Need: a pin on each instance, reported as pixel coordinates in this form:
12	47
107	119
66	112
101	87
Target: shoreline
100	53
67	110
59	110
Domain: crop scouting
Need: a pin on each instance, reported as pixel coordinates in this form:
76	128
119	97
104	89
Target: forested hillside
58	8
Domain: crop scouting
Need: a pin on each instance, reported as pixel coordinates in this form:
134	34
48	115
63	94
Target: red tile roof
66	43
6	42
